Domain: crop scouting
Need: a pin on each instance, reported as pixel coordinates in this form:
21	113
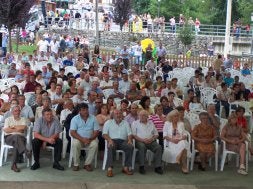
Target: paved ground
46	177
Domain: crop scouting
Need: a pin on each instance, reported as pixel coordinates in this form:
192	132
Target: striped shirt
157	122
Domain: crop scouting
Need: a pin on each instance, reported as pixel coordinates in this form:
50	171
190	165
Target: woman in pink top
158	119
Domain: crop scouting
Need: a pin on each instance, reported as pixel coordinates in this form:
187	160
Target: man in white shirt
124	84
54	46
137	49
43	45
145	135
106	83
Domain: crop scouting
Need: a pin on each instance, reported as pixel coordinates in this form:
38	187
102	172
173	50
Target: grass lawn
23	48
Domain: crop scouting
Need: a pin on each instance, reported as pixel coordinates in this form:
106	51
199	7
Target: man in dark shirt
166	68
31	85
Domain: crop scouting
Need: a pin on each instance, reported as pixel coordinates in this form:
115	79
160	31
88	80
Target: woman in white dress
176	146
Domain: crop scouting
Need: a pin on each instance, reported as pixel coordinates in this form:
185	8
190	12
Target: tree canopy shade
122	12
14	13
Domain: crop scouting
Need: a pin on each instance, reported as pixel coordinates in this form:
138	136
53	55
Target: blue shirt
229	81
246	72
84	128
67	63
4	41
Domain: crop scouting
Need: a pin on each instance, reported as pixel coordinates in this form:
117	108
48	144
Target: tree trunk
10	45
17	39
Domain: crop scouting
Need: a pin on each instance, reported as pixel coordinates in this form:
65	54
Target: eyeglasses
98	102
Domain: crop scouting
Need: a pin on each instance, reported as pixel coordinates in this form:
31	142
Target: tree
14	13
186	36
122	12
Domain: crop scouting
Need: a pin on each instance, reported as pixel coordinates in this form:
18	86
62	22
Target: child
195	105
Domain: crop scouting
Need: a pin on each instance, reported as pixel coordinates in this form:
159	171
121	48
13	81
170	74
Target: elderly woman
234	137
204	135
175	141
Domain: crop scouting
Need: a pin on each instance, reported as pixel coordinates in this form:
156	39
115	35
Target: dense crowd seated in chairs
74	101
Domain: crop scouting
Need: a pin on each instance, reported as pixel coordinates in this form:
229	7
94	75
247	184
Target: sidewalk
47	177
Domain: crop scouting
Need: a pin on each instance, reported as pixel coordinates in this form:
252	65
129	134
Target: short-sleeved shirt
40	126
117	131
142	130
10	121
27	112
84	128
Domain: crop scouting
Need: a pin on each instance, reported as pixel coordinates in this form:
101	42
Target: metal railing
89	24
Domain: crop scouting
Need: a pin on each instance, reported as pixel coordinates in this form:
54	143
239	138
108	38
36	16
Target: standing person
145	134
78	17
4	43
118	135
197	25
84	129
125	56
46	132
148	53
43	45
217	64
14	128
137	50
161	52
54	46
151	66
173	24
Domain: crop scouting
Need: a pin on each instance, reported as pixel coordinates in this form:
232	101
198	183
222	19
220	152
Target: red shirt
242	122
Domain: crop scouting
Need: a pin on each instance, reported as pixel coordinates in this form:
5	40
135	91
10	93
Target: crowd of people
110	108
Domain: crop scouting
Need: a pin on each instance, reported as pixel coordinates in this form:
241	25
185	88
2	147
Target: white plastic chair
194	151
86	149
188	149
226	152
207	95
5	147
117	156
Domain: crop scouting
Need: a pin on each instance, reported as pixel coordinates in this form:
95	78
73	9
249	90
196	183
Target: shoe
58	166
159	170
35	166
126	171
75	168
201	168
88	168
15	168
242	172
142	170
110	173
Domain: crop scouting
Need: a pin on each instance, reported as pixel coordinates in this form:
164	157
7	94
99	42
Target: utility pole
228	24
97	24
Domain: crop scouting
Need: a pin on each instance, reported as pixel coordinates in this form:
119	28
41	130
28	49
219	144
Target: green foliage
208	11
186	35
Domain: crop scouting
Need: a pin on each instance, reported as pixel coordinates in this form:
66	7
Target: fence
182	61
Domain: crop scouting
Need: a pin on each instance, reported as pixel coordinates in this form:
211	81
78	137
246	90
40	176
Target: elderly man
145	134
14	128
84	128
46	133
118	135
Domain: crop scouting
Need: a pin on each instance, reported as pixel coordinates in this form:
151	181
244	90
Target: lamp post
228	24
158	12
251	18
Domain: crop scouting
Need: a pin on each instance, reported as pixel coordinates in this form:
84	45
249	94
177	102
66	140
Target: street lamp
251	18
158	14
